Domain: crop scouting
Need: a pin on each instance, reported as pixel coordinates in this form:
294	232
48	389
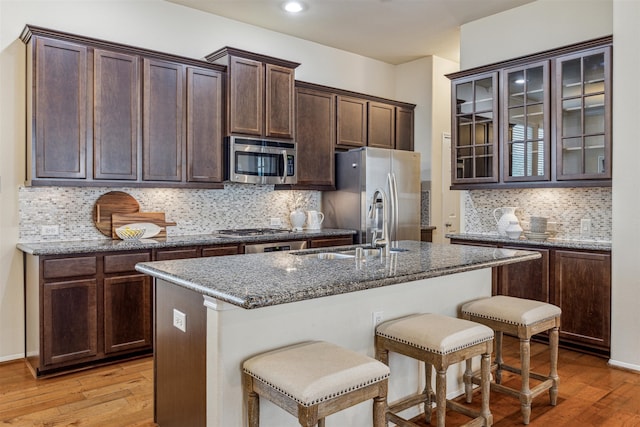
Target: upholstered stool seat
438	341
312	380
522	318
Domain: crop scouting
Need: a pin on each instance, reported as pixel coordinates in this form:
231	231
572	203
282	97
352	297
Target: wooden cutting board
157	218
113	202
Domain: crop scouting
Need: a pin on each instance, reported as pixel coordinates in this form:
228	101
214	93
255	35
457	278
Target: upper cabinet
475	137
537	121
583	114
261	93
111	115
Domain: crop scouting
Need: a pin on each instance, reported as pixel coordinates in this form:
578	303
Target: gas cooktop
246	232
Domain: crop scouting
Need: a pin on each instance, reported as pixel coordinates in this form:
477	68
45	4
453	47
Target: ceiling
393	31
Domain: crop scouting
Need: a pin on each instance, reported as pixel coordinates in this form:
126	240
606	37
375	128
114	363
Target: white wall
625	346
152	24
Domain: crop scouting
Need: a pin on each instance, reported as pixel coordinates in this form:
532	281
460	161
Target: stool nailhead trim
500	319
431	350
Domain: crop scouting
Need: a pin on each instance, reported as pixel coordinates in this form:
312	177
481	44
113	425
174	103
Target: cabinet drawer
331	241
168	254
220	251
124	262
69	267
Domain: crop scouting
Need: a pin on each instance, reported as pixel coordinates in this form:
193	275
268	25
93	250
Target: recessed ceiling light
293	6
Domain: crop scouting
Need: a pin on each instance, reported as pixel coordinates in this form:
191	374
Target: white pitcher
507	214
314	219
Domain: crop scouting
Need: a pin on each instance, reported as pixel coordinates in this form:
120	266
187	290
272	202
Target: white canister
513	230
297	219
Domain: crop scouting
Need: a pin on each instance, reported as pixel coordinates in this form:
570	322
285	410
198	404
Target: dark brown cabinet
381	125
404	128
583	291
58	104
315	135
578	281
163	113
116	115
261	93
107	114
331	241
538	121
351	122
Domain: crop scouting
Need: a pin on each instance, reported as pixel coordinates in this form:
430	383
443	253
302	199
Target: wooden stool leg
308	416
428	389
466	377
525	391
553	374
441	396
499	361
485	384
321	422
380	406
253	402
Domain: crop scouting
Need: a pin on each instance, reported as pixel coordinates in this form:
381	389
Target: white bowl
126	233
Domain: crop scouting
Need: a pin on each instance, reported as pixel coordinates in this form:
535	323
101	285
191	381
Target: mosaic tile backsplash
195	211
566	206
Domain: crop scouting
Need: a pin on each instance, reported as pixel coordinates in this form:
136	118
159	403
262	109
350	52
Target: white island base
234	334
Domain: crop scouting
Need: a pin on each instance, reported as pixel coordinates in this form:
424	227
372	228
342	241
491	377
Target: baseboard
623	365
11	357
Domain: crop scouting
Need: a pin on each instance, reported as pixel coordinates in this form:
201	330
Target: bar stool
438	341
522	318
312	380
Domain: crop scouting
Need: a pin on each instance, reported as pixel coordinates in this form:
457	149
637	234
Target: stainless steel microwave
260	161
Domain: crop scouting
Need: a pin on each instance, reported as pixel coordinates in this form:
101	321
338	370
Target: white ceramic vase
297	218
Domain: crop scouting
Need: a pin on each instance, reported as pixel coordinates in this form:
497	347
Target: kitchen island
213	313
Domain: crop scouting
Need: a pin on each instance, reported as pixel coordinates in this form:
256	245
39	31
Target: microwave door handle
283	178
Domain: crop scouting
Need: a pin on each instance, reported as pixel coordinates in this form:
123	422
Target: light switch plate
585	227
180	320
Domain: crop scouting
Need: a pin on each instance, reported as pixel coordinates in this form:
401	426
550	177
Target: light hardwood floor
591	394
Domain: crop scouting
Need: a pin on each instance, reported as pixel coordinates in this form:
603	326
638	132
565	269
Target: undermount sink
351	253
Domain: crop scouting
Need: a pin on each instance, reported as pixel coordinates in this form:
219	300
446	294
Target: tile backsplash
196	211
566	206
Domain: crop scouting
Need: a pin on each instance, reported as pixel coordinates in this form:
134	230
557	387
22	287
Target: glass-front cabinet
475	131
525	123
583	112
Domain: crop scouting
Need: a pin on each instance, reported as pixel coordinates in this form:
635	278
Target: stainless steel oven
261	161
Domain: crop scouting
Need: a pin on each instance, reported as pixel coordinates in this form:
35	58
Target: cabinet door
204	125
528	279
582	289
279	101
221	250
526	124
69	321
246	96
116	115
60	110
404	129
352	122
163	109
474	129
331	241
181	253
381	125
127	313
583	115
315	135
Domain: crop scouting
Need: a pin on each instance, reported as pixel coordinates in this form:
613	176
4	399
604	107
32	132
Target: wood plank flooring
591	394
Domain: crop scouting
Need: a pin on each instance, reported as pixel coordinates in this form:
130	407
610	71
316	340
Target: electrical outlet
585	227
376	318
180	320
49	230
276	222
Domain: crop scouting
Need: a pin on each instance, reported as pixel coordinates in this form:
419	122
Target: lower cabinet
578	281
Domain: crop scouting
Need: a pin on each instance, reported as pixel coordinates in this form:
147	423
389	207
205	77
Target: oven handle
283	178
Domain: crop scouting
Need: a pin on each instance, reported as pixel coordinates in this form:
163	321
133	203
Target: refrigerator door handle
393	190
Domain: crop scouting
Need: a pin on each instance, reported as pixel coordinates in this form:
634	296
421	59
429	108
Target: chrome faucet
383	241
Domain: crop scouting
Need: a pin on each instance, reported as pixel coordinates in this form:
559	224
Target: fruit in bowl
126	233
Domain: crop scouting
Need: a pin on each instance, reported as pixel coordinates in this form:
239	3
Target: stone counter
260	280
581	244
108	245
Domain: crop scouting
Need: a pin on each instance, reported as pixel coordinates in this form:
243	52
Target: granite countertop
585	244
108	245
265	279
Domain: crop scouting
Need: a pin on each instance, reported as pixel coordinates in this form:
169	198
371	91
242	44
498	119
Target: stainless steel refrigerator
359	173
